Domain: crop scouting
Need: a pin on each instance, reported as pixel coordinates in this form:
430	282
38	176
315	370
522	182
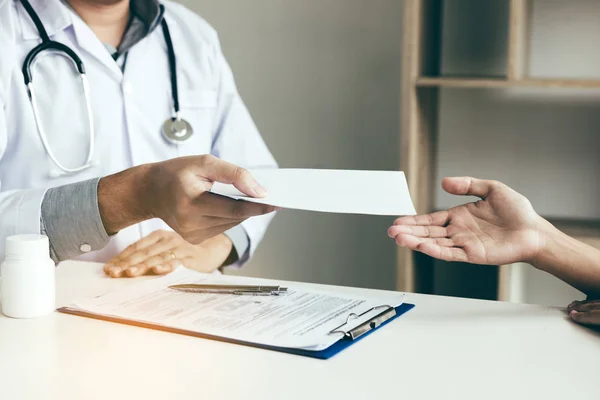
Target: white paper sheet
300	319
335	191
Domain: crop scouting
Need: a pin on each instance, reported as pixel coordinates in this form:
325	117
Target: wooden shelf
423	76
469	82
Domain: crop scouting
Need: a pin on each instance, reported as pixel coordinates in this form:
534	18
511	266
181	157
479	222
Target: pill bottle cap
27	247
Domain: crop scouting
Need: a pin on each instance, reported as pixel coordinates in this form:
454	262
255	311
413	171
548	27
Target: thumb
218	170
467	186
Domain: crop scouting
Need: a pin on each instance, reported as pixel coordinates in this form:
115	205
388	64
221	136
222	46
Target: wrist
548	237
122	198
221	249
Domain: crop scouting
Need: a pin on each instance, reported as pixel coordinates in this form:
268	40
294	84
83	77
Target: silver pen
247	290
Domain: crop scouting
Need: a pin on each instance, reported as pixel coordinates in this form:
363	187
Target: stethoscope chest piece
177	130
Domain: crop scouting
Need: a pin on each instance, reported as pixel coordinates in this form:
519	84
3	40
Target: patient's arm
501	228
570	260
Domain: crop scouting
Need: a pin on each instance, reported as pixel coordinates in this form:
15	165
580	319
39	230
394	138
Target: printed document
302	318
334	191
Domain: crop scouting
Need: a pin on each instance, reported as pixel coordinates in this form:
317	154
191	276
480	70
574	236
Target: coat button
85	248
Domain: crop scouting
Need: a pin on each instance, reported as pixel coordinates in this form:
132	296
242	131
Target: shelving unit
483	83
421	84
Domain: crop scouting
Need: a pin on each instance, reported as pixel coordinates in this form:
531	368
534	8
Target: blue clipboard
342	344
325	354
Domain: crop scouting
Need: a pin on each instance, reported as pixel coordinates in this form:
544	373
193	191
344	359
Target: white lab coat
129	109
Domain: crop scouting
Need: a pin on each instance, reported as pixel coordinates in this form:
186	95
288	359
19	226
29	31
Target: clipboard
354	335
351	335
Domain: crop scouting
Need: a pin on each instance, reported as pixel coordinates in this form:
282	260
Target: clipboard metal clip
354	332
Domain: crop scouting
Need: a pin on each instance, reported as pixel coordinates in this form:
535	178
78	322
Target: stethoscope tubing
50	45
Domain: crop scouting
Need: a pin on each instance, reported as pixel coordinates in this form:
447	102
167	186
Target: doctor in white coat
124	178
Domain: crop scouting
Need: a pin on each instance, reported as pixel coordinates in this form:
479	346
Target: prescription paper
301	319
334	191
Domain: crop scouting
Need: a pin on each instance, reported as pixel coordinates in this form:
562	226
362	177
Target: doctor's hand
163	251
501	228
178	192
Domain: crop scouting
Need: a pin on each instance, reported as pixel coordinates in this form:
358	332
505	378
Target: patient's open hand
501	228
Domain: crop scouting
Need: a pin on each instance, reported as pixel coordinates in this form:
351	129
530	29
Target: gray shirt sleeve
71	220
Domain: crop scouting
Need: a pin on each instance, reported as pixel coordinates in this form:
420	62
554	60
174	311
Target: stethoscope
175	129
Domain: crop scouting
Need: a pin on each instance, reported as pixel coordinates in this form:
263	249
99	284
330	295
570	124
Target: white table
444	348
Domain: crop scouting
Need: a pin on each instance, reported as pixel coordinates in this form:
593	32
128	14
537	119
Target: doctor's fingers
158	249
213	205
145	268
145	244
217	170
158	262
164	262
158	269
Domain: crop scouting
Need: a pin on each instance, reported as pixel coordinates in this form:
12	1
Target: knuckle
207	160
173	241
497	185
167	235
144	253
241	174
180	176
156	233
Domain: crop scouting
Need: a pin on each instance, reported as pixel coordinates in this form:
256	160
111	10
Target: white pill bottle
27	281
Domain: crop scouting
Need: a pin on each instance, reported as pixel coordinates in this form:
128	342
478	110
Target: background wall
544	143
322	80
